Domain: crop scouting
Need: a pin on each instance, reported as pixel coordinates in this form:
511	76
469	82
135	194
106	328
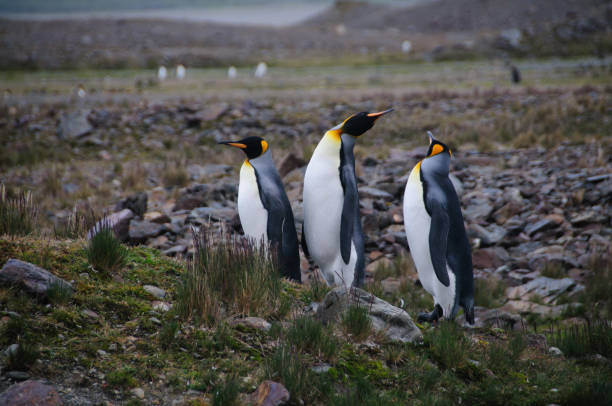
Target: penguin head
359	123
436	147
253	147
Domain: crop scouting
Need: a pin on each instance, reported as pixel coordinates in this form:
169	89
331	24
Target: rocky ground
532	166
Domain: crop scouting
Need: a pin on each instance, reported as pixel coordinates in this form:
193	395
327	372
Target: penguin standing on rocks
332	233
436	235
263	206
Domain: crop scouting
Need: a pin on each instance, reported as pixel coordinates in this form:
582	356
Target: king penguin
332	233
436	235
263	206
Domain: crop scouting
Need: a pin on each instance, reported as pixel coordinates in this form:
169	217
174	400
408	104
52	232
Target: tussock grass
360	393
502	356
105	252
448	344
167	334
317	289
175	175
229	276
356	322
74	226
591	392
226	393
287	366
309	335
59	293
23	357
584	339
18	215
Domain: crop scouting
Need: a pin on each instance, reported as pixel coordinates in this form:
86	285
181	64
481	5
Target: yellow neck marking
416	172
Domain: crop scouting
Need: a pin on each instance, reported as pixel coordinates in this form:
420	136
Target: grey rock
119	222
140	231
554	351
485	318
31	278
16	376
320	369
540	225
547	288
490	235
155	291
269	393
175	250
478	209
393	322
256	323
136	202
370	192
74	124
138	393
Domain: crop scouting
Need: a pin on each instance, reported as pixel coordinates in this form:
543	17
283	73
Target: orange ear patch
437	148
264	146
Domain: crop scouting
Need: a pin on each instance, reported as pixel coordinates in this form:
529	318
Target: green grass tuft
448	344
18	216
226	393
286	366
591	392
105	252
356	322
59	293
229	276
308	334
585	339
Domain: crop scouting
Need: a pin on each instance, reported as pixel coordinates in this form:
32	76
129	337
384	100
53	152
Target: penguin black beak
376	116
233	144
431	137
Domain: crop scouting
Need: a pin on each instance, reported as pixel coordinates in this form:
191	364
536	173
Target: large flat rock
30	277
395	323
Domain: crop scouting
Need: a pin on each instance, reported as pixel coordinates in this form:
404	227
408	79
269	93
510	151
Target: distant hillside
44	6
455	15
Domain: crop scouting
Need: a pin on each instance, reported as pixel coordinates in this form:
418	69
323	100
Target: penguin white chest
417	223
253	215
323	202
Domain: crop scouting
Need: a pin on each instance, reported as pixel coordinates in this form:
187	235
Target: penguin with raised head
263	206
332	233
436	235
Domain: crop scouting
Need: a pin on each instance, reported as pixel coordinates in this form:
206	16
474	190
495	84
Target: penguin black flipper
438	239
280	228
304	243
349	209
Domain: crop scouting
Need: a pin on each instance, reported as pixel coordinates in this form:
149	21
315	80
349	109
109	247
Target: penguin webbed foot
431	317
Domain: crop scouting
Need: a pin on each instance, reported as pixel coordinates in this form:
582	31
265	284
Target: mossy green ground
153	350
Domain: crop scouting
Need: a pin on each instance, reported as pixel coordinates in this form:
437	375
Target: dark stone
541	225
140	231
30	277
289	163
489	258
30	393
74	125
136	202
